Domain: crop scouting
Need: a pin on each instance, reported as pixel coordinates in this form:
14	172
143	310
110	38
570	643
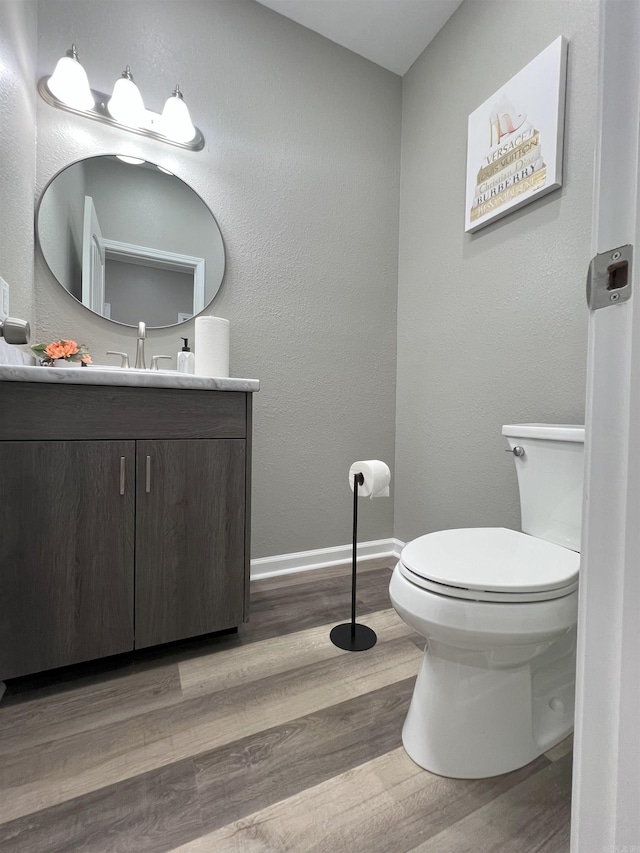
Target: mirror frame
78	301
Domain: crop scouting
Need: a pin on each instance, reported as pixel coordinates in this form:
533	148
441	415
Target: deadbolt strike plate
609	278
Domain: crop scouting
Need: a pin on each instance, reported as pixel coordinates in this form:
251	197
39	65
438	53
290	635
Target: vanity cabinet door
66	552
190	537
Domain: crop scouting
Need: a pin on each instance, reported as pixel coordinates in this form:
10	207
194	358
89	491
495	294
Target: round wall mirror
130	241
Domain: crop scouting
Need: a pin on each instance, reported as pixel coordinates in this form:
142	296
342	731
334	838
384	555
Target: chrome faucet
142	334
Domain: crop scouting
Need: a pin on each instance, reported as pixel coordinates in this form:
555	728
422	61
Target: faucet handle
123	355
155	359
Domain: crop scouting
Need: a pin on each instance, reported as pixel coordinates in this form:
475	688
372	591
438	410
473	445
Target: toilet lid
492	564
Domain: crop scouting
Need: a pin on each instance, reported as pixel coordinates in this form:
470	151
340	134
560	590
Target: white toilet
498	609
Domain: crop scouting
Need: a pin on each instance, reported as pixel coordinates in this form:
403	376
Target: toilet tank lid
550	432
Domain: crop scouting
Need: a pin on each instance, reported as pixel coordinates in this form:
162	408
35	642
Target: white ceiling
391	33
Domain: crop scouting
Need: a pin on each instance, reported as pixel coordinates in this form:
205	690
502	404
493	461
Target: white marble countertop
131	378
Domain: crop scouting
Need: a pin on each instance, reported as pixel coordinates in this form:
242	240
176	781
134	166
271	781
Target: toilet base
469	720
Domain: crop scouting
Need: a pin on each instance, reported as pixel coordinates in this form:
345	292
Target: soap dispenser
186	361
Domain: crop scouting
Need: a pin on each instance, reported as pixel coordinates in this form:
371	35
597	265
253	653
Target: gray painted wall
17	151
491	326
301	169
136	290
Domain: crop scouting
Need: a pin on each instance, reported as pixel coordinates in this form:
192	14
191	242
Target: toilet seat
490	564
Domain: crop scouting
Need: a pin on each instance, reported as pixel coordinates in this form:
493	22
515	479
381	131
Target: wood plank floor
267	740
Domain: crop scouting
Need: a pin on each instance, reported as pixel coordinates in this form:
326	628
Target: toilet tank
550	476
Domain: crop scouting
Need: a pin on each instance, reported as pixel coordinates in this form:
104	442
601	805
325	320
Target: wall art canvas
515	140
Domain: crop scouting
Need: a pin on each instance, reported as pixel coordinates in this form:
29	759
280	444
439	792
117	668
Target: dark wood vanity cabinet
189	538
66	553
124	519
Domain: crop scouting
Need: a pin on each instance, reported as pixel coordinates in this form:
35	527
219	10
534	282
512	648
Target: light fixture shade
175	122
126	104
69	82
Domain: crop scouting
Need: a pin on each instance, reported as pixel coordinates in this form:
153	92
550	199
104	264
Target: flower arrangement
66	349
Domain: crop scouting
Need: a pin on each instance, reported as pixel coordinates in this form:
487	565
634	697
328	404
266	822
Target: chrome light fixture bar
172	126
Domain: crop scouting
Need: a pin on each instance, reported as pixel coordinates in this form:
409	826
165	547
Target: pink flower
70	348
86	358
62	349
55	350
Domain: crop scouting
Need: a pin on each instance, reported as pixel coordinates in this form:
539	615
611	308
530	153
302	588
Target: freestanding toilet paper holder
352	636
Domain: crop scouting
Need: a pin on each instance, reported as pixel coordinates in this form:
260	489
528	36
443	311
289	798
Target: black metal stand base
344	637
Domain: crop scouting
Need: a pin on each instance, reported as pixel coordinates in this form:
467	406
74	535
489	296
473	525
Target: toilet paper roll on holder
352	636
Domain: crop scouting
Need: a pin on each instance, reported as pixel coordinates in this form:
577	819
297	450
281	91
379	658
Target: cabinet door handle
122	470
147	479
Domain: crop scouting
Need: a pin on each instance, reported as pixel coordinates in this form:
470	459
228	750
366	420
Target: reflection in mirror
130	241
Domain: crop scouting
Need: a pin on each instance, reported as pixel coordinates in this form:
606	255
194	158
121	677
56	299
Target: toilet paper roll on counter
212	346
377	477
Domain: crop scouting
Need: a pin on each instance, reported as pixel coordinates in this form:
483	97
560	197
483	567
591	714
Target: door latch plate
609	278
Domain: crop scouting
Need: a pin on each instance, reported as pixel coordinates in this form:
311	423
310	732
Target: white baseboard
306	561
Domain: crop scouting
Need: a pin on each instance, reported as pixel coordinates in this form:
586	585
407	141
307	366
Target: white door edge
606	788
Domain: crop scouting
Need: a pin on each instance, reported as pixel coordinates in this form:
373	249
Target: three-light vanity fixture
68	88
